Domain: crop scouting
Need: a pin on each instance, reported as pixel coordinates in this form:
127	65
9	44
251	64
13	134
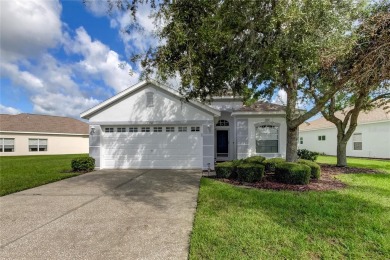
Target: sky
64	57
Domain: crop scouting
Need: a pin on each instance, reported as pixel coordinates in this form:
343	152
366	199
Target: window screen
267	139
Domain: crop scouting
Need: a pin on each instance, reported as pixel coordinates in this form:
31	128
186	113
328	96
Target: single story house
150	126
370	139
30	134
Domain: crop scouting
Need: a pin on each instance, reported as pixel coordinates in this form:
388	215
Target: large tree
264	45
366	71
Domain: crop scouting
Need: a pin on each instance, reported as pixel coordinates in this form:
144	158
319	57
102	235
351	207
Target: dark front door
222	143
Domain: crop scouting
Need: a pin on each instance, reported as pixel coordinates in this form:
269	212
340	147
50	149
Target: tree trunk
292	144
341	153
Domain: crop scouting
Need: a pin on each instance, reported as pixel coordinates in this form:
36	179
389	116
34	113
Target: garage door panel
178	150
153	164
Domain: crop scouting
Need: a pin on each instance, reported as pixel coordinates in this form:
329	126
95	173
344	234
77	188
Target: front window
121	129
223	123
182	129
170	129
267	139
357	142
109	129
145	129
7	145
133	129
37	145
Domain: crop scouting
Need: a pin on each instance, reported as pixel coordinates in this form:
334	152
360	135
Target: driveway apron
107	214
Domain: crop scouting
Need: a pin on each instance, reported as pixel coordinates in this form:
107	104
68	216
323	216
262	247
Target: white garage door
156	147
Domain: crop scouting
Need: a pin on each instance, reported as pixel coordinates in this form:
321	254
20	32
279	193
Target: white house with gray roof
150	126
370	139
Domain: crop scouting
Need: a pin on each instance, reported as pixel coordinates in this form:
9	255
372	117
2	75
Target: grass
23	172
383	165
239	223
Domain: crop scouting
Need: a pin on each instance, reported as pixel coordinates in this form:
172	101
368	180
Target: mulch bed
327	180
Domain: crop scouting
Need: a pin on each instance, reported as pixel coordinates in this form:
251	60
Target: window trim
182	129
2	145
354	142
149	99
269	124
38	144
169	129
195	128
222	122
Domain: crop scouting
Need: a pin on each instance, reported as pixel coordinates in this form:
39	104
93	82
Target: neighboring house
29	134
370	139
149	126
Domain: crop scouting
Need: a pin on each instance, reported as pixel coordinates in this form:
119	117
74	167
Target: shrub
224	169
255	159
307	155
315	168
292	173
271	163
250	172
235	163
83	164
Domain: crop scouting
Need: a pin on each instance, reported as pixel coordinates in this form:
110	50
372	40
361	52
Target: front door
223	144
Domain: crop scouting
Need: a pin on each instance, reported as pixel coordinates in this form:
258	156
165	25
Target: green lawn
383	165
23	172
239	223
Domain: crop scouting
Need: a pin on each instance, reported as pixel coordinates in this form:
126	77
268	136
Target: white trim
86	114
41	133
243	113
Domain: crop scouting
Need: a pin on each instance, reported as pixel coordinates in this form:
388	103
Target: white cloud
28	28
280	98
50	82
101	62
62	104
9	110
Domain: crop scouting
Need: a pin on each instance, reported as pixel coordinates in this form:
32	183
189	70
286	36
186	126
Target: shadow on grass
328	224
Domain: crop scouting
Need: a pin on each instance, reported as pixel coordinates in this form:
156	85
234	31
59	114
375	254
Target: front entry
222	144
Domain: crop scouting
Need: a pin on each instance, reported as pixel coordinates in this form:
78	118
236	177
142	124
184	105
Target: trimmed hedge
83	164
224	169
292	173
315	168
271	163
307	155
250	172
255	159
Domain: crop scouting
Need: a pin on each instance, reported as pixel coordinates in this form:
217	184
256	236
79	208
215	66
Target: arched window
223	123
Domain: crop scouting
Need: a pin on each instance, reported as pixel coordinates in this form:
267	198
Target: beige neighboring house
370	139
29	134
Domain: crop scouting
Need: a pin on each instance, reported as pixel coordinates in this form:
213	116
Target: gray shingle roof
42	123
375	115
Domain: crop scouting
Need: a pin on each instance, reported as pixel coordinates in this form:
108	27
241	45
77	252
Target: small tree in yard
366	71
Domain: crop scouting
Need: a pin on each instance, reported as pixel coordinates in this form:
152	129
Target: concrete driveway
108	214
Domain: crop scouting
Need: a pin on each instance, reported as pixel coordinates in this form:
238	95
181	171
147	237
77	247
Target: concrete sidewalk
110	214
